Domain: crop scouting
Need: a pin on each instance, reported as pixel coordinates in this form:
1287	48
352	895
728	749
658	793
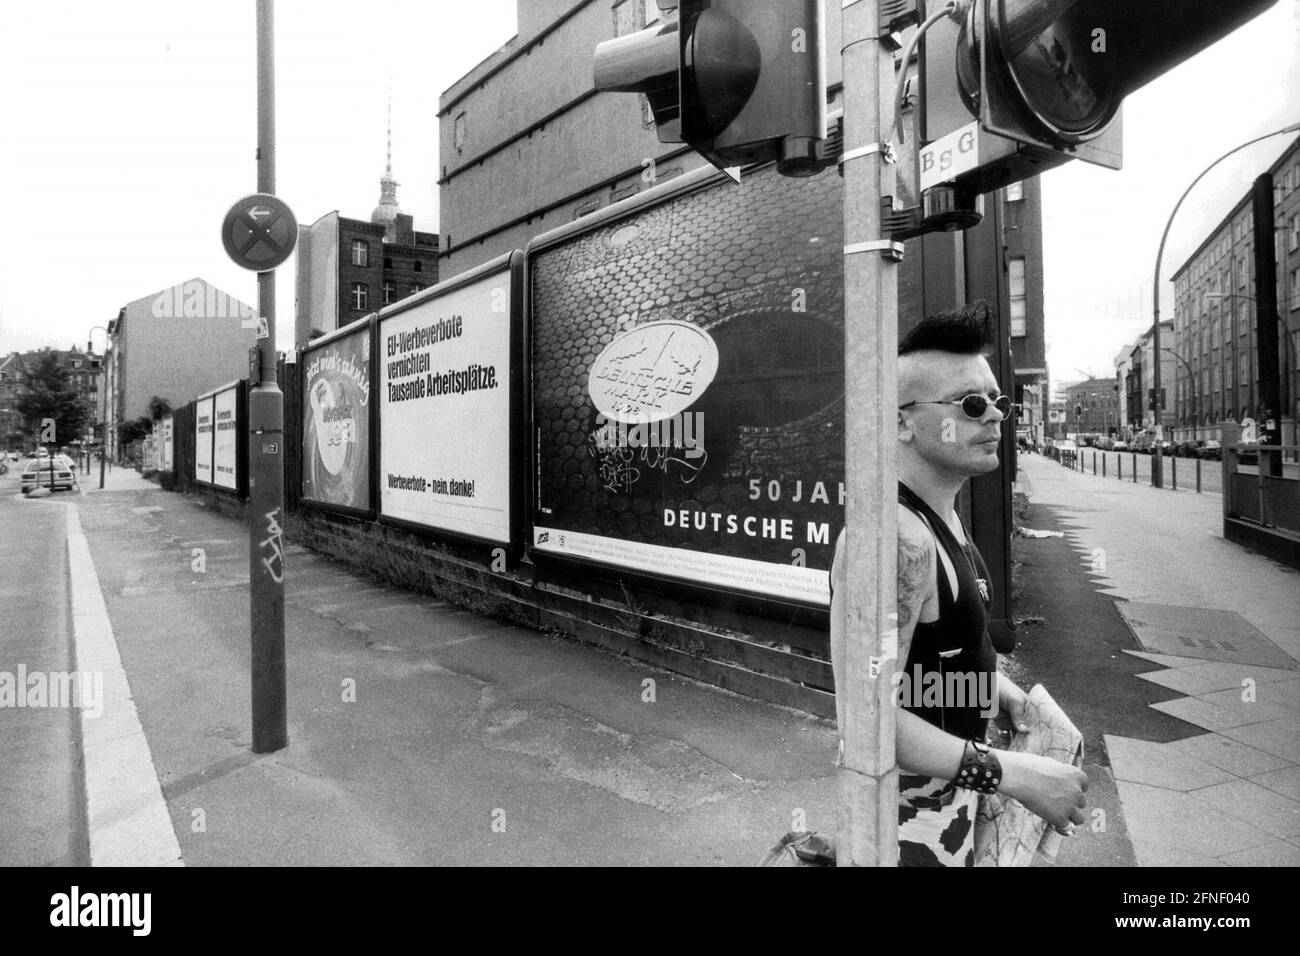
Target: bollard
1198	476
1119	466
1173	465
1135	468
1094	463
1103	465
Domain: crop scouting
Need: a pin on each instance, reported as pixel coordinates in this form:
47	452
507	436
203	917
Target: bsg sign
950	156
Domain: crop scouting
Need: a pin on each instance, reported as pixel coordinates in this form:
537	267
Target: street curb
127	817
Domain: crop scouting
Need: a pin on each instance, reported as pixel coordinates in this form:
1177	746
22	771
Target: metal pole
1266	321
868	822
266	452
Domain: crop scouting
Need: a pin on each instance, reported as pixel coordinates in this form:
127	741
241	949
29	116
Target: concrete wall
180	356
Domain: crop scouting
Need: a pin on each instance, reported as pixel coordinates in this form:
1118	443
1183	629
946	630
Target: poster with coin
336	420
203	432
225	451
688	386
449	406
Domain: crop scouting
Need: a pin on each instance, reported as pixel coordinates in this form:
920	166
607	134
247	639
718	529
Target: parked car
52	473
1187	448
1119	445
1210	450
1065	451
1248	453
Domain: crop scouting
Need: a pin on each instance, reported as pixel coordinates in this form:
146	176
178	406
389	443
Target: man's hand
1051	789
1012	701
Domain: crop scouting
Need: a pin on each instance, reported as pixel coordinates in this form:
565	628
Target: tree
128	432
159	408
50	394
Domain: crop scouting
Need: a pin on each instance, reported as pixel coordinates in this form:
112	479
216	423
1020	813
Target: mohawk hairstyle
963	331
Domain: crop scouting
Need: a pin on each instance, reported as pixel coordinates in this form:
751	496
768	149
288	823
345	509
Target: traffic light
1020	86
741	82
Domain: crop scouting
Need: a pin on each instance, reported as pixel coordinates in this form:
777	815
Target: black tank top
956	646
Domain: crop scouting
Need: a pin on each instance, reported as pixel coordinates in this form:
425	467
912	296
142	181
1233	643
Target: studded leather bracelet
980	768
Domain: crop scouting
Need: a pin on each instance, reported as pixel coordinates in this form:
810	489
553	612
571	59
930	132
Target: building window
1293	241
360	295
1241	273
417	266
416	287
360	252
1015	193
390	292
458	131
1295	289
388	263
1016	269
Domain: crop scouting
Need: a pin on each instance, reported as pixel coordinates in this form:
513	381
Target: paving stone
1156	816
1281	738
1280	853
1160	765
1204	678
1166	660
1228	754
1285	781
1255	711
1253	804
1201	713
1164	854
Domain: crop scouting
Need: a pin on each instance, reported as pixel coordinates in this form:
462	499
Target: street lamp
1157	475
103	422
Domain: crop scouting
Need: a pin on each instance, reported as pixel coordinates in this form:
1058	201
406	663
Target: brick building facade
1214	341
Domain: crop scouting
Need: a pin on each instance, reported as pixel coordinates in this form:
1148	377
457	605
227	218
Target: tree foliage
159	408
51	394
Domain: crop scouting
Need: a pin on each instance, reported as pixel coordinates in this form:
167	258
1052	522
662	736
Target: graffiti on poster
203	440
688	389
336	423
445	411
224	450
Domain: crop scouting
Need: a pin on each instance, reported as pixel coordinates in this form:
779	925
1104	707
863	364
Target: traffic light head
1032	84
741	82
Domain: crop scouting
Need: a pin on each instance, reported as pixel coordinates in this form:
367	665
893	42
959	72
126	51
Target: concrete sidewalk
1221	627
419	733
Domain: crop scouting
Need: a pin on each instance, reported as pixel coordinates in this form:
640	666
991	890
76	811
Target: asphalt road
41	815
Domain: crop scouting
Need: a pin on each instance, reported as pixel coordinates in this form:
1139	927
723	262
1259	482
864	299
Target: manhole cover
1202	633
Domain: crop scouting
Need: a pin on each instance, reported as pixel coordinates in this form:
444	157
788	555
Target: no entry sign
259	232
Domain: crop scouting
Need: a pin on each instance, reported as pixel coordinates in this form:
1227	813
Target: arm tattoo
914	576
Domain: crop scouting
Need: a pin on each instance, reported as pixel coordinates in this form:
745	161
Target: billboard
336	425
449	406
203	431
225	451
166	464
688	385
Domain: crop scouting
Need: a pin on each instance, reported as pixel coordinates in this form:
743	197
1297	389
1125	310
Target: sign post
259	233
868	824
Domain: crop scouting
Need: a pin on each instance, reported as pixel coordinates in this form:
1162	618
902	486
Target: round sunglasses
974	406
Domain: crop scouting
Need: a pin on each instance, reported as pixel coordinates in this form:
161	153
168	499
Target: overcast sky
129	130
